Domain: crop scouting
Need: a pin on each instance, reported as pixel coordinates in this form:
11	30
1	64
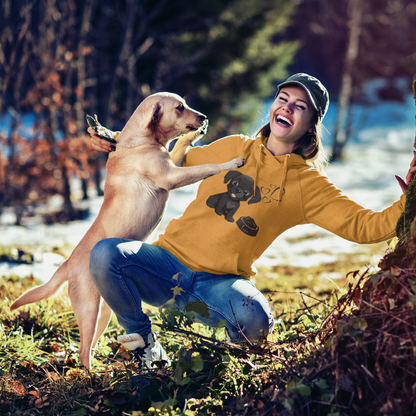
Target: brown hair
309	146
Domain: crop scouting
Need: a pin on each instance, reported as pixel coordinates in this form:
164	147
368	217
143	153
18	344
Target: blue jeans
128	272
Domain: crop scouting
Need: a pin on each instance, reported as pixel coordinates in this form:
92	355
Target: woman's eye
301	107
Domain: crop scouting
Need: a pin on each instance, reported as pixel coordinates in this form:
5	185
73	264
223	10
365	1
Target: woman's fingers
98	143
413	162
402	183
410	175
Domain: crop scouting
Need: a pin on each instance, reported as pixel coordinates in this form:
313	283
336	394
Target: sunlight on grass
39	363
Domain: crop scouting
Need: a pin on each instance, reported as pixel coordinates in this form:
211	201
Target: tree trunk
126	51
341	136
67	207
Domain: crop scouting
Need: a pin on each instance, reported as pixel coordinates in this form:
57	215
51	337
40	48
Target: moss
409	212
407	218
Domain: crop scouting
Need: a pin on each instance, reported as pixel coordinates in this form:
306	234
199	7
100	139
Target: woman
207	254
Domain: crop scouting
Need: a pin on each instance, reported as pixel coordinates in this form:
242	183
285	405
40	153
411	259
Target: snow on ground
380	148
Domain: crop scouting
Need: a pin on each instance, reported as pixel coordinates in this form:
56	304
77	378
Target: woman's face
291	115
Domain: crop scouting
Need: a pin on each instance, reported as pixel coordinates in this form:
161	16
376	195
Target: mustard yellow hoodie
238	214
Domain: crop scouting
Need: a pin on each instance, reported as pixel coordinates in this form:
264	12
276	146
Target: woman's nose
288	107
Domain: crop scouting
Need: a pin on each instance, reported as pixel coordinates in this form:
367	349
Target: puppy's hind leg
85	300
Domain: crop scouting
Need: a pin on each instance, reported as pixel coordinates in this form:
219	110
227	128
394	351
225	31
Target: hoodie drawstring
258	162
282	183
259	157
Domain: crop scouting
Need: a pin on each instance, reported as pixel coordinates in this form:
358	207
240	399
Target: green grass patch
40	371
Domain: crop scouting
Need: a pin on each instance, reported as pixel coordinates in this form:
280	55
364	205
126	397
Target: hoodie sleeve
221	151
326	206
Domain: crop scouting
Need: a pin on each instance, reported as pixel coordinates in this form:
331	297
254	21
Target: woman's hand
404	184
100	144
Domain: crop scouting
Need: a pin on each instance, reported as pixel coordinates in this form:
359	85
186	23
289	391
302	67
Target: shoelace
138	355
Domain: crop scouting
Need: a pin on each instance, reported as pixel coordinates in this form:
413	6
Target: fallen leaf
15	387
41	402
74	373
53	376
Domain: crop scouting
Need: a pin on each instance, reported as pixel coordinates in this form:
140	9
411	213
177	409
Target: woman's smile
290	118
283	121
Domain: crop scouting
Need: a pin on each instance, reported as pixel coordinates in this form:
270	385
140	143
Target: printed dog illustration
239	189
139	176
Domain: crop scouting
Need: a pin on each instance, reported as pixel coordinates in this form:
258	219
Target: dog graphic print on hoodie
237	214
240	188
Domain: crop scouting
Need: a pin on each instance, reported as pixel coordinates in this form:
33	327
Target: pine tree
63	59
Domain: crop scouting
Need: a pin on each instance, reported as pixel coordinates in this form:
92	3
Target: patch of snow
43	268
380	148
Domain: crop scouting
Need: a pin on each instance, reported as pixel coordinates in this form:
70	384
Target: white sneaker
149	352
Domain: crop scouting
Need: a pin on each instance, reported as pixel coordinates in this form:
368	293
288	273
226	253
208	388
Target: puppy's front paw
193	136
237	162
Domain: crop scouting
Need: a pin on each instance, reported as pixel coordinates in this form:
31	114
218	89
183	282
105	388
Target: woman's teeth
283	120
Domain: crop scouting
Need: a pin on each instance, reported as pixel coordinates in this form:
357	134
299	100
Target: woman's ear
310	130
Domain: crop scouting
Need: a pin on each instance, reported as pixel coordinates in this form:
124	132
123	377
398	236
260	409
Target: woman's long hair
309	146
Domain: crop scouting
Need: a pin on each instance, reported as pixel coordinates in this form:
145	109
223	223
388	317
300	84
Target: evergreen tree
63	59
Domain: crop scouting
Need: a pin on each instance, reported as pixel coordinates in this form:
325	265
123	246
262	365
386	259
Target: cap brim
279	87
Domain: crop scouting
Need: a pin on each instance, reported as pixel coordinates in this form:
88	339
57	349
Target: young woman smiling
291	116
207	254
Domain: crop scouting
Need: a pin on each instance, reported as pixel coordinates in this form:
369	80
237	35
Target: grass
40	371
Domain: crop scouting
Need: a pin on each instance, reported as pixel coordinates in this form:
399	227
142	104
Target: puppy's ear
231	175
256	197
152	115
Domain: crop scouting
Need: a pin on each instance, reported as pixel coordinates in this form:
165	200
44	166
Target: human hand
100	135
100	144
404	184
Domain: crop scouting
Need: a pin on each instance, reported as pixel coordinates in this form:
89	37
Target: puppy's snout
201	118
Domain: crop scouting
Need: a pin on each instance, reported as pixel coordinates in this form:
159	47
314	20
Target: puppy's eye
235	183
246	193
180	107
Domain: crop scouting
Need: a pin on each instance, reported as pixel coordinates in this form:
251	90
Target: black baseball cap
315	89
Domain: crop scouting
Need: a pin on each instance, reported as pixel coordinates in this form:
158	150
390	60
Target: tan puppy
139	176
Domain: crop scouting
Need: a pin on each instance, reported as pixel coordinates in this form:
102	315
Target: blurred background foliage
60	60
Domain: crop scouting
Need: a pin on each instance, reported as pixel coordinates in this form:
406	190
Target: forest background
61	60
335	350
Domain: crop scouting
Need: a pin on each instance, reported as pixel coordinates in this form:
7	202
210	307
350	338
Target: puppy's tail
35	294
